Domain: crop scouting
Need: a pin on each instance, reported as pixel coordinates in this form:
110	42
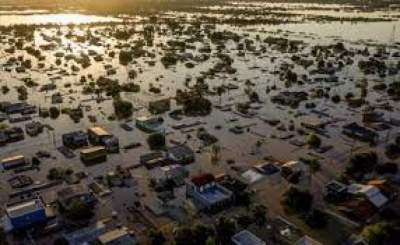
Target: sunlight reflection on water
61	19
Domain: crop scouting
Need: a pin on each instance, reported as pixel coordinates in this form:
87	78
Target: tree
220	92
182	235
224	230
156	141
244	221
297	200
122	108
156	237
215	151
202	233
314	141
312	163
198	235
54	112
260	215
197	106
316	219
361	163
387	168
78	210
377	234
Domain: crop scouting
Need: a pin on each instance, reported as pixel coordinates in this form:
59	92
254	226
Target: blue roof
245	237
214	195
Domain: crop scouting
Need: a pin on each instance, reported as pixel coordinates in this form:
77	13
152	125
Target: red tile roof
203	179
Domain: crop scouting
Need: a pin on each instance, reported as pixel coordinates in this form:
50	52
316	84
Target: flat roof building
117	237
245	237
206	194
26	214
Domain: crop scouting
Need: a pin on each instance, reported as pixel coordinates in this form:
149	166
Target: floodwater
380	32
58	19
261	68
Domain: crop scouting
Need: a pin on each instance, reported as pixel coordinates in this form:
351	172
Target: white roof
171	167
373	194
252	176
24	208
295	165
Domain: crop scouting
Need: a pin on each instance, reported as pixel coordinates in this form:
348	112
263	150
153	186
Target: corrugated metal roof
99	131
24	208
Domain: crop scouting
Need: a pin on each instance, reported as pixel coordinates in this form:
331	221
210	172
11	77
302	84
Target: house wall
30	219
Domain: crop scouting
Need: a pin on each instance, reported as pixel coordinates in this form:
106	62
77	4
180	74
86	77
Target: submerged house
68	195
19	107
180	154
99	136
288	98
75	139
153	159
160	106
245	237
335	190
150	124
10	135
85	235
117	237
206	194
26	214
371	193
34	128
356	131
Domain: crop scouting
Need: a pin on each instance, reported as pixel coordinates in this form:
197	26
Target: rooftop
117	236
306	240
245	237
214	194
203	179
24	208
99	131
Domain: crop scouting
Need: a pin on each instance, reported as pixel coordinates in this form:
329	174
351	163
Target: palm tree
215	153
220	92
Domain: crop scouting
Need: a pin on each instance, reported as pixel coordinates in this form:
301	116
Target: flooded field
272	76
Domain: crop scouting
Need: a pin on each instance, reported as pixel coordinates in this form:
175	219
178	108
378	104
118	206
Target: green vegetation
387	168
156	141
259	215
224	230
194	104
360	164
79	211
156	237
4	125
316	219
313	141
59	173
378	234
312	163
122	108
54	112
296	200
5	89
392	151
197	235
